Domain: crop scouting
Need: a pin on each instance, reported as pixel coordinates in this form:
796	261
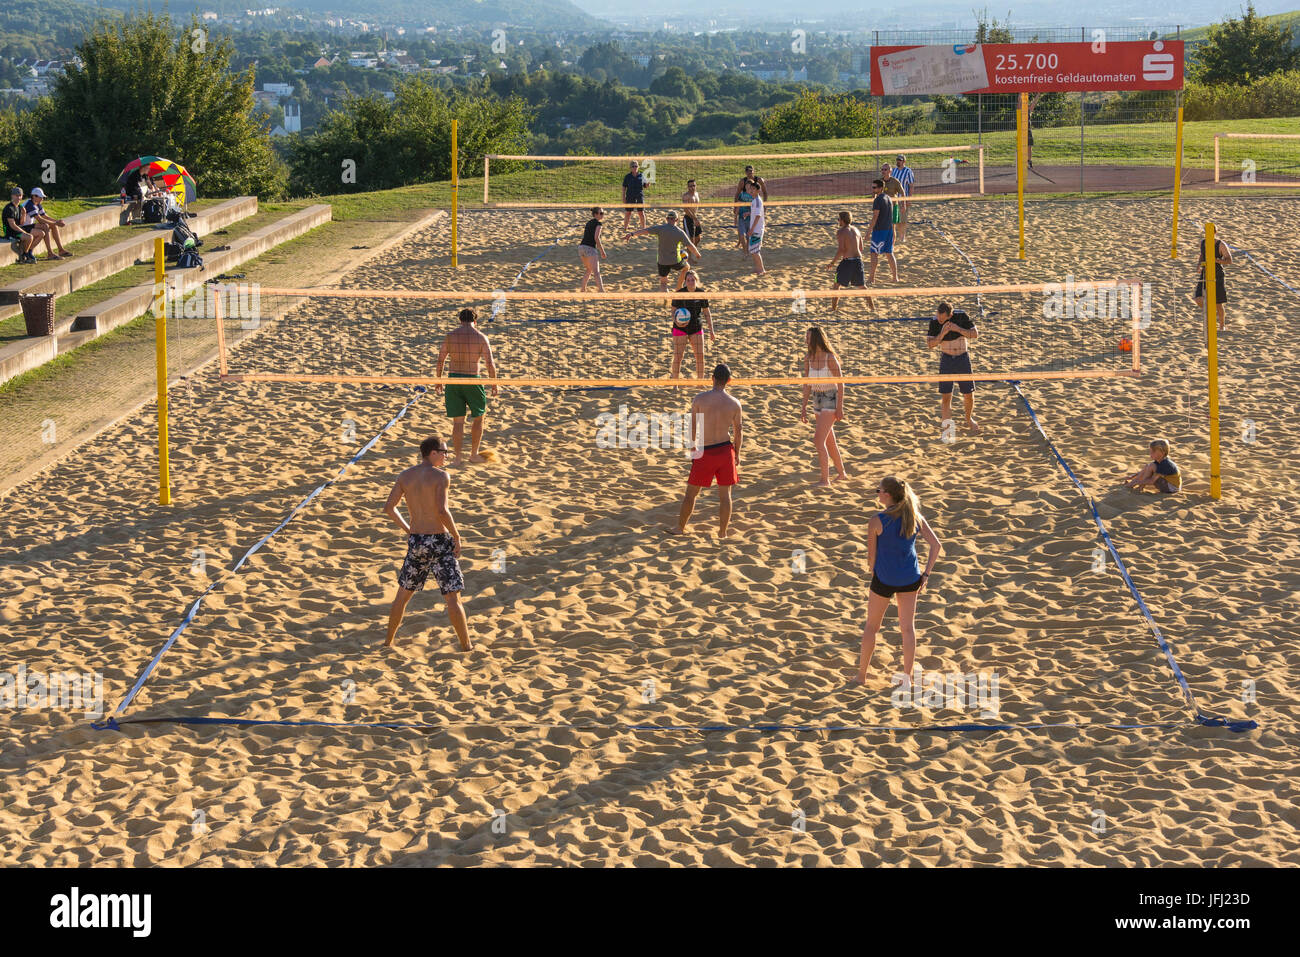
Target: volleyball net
523	181
1257	159
623	339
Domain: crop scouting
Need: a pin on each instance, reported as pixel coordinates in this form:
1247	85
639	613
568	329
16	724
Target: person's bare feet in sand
478	458
839	476
973	426
825	484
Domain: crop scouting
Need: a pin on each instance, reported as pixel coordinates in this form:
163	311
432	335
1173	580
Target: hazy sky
847	14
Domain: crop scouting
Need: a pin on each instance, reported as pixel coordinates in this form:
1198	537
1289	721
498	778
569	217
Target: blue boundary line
420	392
1258	265
625	728
1188	697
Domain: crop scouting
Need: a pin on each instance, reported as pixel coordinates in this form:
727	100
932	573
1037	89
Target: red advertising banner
1026	67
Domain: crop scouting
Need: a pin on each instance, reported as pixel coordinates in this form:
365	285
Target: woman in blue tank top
895	569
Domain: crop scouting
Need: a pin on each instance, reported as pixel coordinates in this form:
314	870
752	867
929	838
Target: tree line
146	86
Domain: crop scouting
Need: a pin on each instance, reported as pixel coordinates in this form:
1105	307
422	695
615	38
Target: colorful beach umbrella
181	185
135	164
174	176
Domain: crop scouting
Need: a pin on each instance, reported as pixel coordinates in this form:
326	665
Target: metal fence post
1083	111
876	43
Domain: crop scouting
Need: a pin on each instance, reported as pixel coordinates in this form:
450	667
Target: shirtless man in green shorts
466	347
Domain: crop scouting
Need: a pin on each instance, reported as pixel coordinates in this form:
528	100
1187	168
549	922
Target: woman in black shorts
1223	257
592	250
895	569
687	328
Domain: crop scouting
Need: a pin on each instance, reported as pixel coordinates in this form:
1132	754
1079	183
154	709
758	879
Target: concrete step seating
69	275
95	320
76	228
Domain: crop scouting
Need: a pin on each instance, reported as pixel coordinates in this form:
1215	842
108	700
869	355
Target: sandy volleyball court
590	619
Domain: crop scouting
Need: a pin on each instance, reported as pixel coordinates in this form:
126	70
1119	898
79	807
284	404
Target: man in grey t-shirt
673	245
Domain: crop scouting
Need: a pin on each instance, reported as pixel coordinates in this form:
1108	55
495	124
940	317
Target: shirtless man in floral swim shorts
433	543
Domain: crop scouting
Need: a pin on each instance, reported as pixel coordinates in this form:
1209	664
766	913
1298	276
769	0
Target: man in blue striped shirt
903	173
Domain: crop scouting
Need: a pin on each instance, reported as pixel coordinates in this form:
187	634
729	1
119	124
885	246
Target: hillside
538	14
1289	19
40	27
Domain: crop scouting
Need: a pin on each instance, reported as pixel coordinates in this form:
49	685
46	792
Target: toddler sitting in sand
1160	473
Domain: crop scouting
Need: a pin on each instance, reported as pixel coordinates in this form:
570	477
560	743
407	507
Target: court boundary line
1260	266
544	727
1188	698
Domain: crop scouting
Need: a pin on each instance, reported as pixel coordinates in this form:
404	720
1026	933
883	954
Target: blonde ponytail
906	507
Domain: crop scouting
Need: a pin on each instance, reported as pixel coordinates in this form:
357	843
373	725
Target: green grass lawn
1122	144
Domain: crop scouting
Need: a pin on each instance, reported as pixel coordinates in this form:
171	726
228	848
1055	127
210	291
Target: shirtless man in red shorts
716	414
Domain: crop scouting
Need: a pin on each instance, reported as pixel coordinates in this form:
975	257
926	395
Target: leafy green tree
675	84
10	124
814	115
145	87
408	140
1240	51
608	57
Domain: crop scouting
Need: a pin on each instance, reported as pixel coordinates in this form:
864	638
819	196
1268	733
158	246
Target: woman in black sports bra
688	328
592	250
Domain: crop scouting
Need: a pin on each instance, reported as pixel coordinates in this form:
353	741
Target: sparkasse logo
1158	67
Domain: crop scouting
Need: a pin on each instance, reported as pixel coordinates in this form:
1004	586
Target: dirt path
56	408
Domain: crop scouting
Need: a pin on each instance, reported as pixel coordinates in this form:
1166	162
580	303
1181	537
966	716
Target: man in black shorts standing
674	245
950	332
432	541
848	258
634	194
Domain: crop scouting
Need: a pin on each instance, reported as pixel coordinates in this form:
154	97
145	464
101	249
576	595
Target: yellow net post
1178	172
217	292
1022	149
455	189
1212	339
160	340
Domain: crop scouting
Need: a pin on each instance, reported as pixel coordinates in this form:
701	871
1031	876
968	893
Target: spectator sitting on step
14	216
44	226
